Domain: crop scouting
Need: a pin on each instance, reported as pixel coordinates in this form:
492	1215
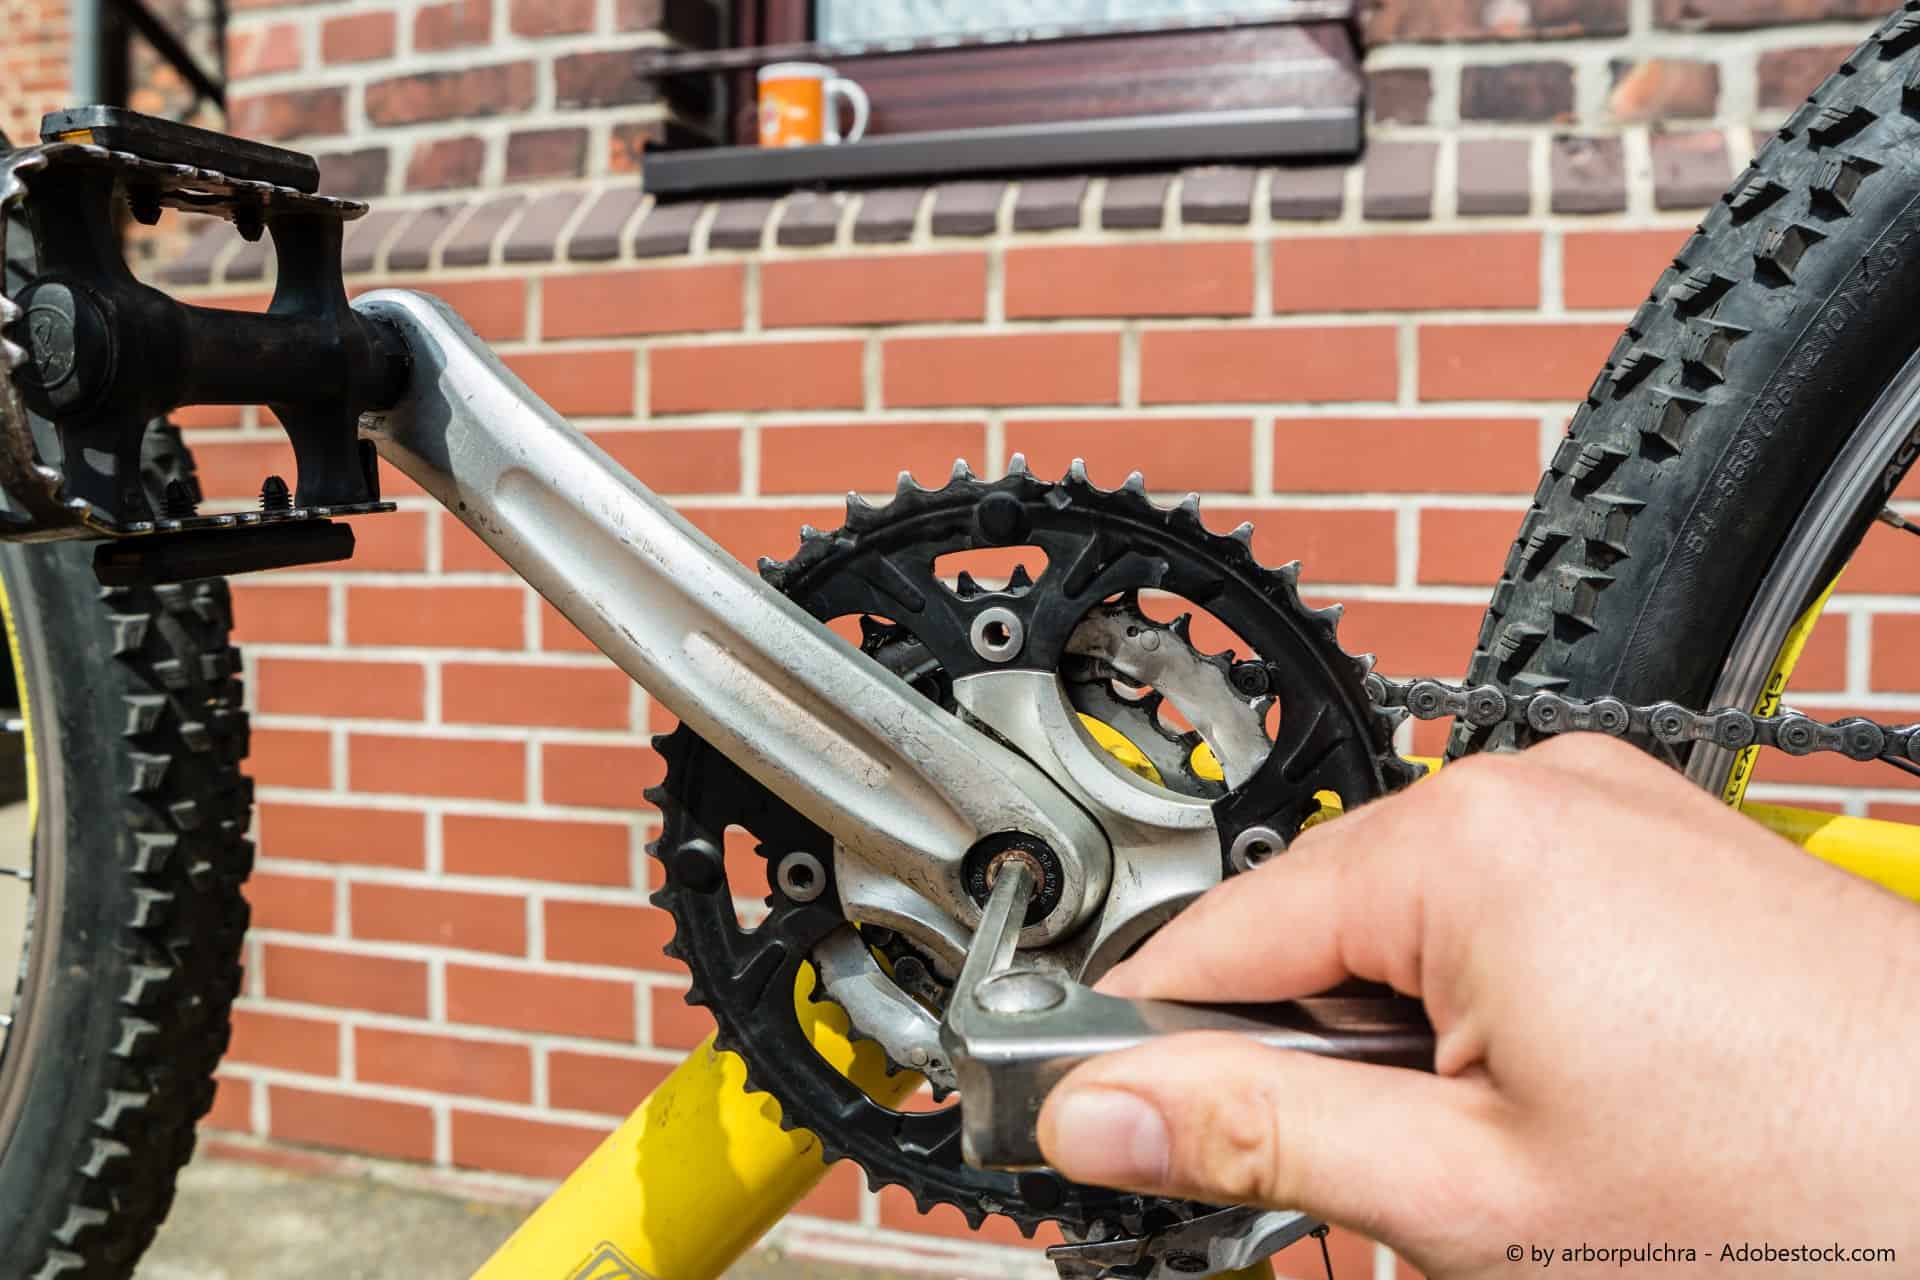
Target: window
1000	86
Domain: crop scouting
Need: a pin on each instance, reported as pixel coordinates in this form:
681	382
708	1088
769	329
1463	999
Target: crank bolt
801	877
1251	679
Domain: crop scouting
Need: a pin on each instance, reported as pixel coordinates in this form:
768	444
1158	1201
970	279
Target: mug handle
854	94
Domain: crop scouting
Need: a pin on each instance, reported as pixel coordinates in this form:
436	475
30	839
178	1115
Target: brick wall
454	962
33	65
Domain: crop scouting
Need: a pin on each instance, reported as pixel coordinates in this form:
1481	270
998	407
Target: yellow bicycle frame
703	1168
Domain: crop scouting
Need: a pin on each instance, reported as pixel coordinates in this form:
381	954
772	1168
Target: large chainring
1102	548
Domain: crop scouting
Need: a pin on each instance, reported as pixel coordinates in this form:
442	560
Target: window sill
1267	133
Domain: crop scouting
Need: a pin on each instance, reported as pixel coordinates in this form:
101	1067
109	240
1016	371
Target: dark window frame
1194	94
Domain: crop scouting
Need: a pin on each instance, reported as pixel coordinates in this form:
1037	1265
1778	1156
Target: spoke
1888	516
17	873
14	723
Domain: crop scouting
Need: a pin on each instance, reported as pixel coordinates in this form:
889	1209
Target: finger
1337	905
1219	1118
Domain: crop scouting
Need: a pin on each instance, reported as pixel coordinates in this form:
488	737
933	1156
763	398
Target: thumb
1222	1119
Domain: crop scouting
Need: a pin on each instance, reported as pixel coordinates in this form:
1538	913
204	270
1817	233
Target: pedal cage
100	355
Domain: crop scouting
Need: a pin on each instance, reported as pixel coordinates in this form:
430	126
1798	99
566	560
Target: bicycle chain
1487	705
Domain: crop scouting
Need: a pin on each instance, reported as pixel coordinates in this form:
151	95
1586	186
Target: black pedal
216	553
90	354
150	138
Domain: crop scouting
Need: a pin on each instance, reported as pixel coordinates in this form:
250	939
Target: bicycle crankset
1195	726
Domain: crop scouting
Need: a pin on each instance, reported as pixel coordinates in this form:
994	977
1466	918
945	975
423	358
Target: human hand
1656	1022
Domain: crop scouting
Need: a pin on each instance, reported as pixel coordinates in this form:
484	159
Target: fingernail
1108	1136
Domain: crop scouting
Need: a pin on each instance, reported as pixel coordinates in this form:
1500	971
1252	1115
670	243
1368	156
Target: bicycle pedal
91	355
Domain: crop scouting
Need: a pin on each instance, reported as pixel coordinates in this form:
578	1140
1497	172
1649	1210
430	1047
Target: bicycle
996	775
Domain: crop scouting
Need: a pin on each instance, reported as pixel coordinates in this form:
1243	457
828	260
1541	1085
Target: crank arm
901	784
1011	1033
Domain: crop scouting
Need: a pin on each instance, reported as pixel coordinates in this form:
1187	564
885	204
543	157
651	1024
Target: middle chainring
1100	546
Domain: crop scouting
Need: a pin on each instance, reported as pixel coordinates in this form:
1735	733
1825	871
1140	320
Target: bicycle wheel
1754	417
132	816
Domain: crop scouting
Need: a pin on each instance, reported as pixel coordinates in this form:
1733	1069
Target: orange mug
799	104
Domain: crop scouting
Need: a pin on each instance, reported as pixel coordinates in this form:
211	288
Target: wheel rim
1798	573
24	880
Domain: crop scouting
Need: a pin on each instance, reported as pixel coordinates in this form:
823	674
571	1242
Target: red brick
444	164
278	117
631	936
747	533
439	918
1465	546
398	1129
344	980
1334	546
480	769
551	17
601	1082
1407	272
756	375
262	51
1512	361
598	775
1883	564
350	833
349	690
1413	638
495	309
451	95
611	304
1268	363
891	288
519	1000
508	1144
307	1045
290	757
296	904
536	849
868	456
1208	455
237	468
443	1064
195	417
677	1024
462	551
691	461
232	1106
455	25
595	384
1207	278
1896	640
565	697
358	37
1003	368
439	616
1405	455
392	543
533	154
265	613
1615	268
1787	76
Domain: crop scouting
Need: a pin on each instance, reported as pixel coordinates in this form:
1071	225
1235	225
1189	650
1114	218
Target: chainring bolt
998	635
1254	846
1251	679
699	865
800	876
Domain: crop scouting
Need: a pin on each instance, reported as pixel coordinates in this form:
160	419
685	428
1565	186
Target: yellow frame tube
695	1176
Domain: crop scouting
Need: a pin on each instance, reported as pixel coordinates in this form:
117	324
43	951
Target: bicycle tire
140	853
1735	386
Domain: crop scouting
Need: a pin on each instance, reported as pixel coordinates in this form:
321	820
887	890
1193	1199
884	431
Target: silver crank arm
1012	1032
898	782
